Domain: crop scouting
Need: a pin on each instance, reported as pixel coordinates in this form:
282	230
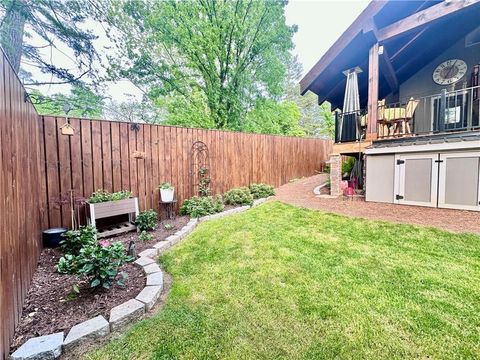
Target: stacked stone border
51	346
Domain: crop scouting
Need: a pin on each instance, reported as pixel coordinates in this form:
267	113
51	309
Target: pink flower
104	243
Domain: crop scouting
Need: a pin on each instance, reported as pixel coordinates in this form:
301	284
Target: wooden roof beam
386	68
421	18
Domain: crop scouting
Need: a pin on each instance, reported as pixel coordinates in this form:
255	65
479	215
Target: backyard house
404	81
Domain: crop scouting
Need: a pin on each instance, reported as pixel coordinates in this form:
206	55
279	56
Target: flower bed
51	304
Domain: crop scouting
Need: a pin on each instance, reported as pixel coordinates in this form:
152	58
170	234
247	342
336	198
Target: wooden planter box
113	208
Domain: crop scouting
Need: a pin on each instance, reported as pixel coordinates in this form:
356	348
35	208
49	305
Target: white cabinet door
416	179
459	181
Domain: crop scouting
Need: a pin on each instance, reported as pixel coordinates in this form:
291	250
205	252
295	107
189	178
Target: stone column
335	174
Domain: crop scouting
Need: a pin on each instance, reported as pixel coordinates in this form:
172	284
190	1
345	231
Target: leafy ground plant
280	282
238	196
73	240
200	206
261	190
147	220
103	196
145	236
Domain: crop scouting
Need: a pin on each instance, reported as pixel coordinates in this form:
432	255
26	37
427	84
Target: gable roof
409	52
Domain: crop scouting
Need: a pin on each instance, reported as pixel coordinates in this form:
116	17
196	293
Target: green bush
261	190
147	220
347	165
74	240
103	196
201	206
144	236
98	262
238	196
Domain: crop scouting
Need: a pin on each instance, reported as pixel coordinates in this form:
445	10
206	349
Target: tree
271	117
315	120
57	24
134	111
81	102
228	52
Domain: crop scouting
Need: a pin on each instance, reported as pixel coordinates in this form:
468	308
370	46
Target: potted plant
166	192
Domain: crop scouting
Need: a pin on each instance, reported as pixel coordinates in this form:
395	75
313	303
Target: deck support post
373	74
335	174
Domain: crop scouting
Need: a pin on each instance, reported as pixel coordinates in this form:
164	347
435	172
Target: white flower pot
167	194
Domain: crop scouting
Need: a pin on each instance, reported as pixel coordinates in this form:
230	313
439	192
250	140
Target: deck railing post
442	110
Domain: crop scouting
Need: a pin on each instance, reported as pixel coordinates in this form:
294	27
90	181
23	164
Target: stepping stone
155	279
48	347
85	331
149	253
125	314
144	261
152	268
149	296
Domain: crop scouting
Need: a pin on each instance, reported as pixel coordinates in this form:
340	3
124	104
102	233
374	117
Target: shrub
261	190
201	206
166	186
103	196
144	236
74	240
238	196
147	220
347	165
98	263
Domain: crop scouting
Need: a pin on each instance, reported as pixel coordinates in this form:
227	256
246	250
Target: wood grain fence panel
141	160
21	199
116	157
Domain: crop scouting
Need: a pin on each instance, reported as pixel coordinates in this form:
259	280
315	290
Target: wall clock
449	72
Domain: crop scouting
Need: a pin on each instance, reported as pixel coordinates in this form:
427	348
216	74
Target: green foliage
261	190
32	30
209	60
168	226
200	206
347	165
82	102
98	262
315	121
73	240
145	236
147	220
166	186
238	196
204	183
271	117
103	196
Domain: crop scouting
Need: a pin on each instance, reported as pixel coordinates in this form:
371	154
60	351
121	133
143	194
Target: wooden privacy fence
41	169
20	198
116	156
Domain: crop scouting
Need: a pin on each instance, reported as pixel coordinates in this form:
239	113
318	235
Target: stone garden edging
51	346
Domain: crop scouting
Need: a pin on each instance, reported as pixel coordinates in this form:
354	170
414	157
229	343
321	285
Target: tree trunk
11	32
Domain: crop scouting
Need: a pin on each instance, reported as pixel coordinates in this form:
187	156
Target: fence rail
114	156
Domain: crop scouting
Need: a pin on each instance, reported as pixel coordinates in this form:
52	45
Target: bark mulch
300	193
52	306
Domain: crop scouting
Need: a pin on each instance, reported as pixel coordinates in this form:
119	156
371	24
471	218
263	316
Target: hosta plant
147	220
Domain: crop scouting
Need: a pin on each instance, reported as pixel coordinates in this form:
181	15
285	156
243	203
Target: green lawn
283	282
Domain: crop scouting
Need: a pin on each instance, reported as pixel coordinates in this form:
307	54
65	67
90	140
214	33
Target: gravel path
300	193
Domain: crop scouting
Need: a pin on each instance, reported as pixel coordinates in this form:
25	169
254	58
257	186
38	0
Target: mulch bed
52	306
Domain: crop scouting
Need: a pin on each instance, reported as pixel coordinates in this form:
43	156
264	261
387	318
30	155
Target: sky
320	23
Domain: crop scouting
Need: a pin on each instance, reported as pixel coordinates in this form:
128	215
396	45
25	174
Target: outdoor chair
395	120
